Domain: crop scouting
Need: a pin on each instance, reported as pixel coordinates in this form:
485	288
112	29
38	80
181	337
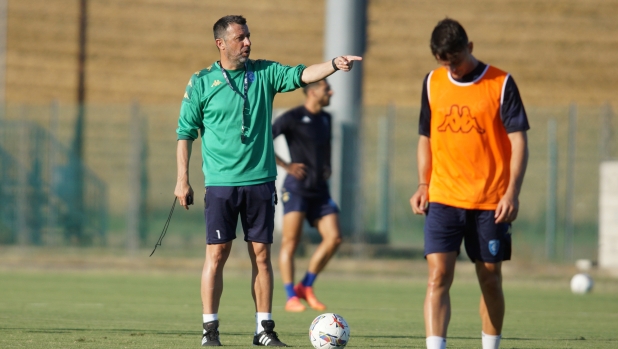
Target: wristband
427	184
334	65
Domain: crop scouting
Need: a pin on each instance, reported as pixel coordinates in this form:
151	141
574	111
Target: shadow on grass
367	338
579	338
131	332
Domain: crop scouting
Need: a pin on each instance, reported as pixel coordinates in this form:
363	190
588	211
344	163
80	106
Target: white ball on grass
328	331
581	283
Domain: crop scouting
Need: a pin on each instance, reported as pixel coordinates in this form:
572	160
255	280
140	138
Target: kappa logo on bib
460	120
306	119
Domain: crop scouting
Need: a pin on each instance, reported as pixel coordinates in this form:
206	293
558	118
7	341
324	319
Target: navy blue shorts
484	240
314	208
254	203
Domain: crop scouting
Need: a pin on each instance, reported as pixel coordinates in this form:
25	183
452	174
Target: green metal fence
558	217
39	191
583	138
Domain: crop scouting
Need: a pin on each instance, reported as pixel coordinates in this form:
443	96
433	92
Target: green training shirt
212	107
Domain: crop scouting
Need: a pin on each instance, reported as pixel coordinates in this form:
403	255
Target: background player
230	104
305	193
472	156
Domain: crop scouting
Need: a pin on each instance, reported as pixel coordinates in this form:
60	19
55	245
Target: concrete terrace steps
558	51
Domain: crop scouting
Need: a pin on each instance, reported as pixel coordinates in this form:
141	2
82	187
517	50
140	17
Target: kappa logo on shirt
215	83
460	120
306	119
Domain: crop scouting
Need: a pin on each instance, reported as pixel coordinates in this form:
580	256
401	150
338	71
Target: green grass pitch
101	309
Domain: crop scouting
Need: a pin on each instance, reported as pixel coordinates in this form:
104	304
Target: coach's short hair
312	85
448	38
221	25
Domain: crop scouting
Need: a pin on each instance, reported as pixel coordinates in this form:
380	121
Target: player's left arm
320	71
515	122
508	207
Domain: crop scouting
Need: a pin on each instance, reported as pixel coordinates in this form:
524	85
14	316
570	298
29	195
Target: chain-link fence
47	195
131	149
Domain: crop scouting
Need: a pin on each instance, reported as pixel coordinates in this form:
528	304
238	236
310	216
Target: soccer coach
230	104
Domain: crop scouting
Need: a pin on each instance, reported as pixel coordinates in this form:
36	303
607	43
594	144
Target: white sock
436	342
490	342
258	319
208	318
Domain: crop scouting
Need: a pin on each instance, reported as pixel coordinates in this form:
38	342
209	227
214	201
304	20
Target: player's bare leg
328	226
212	276
292	231
492	298
262	292
437	299
261	276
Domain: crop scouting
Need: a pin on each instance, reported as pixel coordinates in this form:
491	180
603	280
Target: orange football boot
306	293
294	305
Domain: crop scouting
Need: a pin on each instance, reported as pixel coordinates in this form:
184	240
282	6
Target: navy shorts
314	208
484	240
254	203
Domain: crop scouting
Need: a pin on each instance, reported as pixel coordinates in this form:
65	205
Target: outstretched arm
508	206
320	71
183	189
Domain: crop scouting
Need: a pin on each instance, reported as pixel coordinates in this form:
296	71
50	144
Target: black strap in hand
167	224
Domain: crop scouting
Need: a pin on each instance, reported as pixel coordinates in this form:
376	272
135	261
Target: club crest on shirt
494	247
460	120
251	76
306	119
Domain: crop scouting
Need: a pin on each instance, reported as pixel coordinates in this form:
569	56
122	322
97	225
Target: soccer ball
581	283
329	331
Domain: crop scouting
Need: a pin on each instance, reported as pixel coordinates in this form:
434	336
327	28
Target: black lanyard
244	97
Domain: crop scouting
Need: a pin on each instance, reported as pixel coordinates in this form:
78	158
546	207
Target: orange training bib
471	151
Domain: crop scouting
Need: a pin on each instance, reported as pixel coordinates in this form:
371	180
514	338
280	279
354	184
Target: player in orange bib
472	157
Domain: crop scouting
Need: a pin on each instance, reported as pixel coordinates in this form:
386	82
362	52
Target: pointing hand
345	63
